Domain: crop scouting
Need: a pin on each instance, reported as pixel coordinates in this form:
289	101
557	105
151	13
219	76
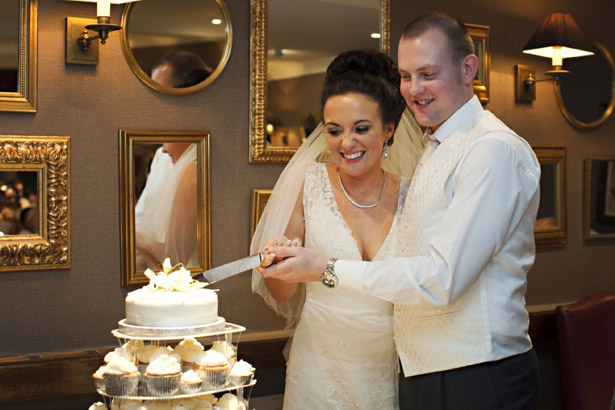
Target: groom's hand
297	264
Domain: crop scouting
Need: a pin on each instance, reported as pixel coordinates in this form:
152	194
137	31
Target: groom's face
432	85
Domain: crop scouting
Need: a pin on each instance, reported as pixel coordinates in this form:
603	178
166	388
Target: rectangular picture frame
550	229
480	38
259	201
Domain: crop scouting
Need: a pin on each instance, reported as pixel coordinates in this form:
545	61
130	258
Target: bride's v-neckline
337	210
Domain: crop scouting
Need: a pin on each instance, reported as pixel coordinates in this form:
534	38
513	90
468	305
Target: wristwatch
328	277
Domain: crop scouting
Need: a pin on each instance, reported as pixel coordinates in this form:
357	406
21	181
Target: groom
461	328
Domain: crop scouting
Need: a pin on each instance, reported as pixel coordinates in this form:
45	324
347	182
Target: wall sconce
81	47
558	37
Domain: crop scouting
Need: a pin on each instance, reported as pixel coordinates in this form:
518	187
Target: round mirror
586	96
177	47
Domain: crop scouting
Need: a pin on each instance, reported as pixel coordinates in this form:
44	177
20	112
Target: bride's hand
298	264
276	241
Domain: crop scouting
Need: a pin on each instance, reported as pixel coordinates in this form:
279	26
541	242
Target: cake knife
232	268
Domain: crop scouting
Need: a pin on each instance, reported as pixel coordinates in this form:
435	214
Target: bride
335	196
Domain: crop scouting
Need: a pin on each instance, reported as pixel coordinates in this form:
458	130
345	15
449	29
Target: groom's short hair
456	32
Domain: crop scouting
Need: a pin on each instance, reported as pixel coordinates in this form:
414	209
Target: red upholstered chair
586	335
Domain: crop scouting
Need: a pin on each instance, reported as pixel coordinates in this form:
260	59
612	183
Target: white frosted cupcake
188	349
213	368
230	402
241	373
144	355
98	406
162	376
190	382
227	349
121	377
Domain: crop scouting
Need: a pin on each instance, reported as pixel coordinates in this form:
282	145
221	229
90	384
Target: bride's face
355	133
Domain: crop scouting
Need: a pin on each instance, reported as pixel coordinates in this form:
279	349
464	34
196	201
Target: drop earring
385	150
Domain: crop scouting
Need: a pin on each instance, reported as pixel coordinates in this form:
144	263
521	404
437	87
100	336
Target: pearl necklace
339	177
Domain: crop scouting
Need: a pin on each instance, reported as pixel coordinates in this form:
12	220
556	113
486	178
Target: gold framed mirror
550	228
35	203
18	33
164	201
177	47
599	199
586	95
292	43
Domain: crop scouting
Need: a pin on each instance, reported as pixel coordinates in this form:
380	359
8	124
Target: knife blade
232	268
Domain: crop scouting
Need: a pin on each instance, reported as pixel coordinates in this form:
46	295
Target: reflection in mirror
177	47
293	42
165	201
34	203
9	45
599	221
19	207
550	227
18	55
586	95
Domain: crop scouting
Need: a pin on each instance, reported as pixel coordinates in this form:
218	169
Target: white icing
187	347
100	372
211	358
121	366
227	349
242	368
164	365
150	352
171	309
118	351
230	402
190	377
98	406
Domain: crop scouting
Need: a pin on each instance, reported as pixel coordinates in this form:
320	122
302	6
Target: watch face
329	280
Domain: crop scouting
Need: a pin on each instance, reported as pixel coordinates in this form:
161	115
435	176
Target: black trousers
511	383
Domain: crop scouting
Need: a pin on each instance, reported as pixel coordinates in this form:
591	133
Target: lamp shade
558	37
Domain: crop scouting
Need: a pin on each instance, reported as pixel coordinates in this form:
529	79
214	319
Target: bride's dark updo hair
370	73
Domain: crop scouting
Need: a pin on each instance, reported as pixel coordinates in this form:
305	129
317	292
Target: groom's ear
469	67
389	129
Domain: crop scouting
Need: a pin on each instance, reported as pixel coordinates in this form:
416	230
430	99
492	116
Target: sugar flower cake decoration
172	279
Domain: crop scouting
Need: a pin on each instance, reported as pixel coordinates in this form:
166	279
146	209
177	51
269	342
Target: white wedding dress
343	354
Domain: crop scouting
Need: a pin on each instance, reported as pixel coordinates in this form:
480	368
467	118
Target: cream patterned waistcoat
430	339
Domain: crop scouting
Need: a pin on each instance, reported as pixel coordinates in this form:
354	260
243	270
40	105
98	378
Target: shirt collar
469	110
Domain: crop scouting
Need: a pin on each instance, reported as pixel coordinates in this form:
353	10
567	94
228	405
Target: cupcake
213	368
241	373
144	355
98	406
230	402
190	382
162	376
227	349
188	349
98	377
121	377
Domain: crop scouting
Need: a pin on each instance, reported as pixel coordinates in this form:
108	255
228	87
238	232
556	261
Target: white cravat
431	143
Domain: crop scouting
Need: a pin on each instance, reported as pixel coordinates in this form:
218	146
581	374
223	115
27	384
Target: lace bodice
343	353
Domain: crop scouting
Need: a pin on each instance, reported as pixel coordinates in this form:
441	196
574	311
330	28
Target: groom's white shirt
468	231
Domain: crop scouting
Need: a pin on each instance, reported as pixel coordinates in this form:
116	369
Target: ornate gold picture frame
259	200
24	98
550	227
178	181
599	199
260	150
46	161
480	37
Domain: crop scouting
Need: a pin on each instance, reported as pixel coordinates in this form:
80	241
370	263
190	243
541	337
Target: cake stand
206	334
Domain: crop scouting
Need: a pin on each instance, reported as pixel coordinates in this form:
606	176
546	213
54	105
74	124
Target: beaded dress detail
343	354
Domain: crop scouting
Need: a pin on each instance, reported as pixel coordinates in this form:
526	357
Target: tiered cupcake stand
206	335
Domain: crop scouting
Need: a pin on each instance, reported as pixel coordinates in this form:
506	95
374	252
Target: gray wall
47	311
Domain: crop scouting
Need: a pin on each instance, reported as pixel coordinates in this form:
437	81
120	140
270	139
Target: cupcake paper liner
190	388
162	385
214	377
240	380
120	385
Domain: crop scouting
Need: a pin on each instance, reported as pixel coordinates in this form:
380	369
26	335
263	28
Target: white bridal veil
403	157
